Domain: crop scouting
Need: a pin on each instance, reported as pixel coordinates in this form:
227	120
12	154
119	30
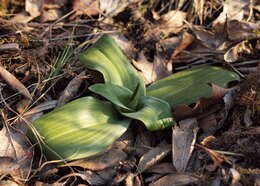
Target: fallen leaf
152	157
199	9
184	111
177	179
34	7
99	162
51	4
113	7
132	180
107	174
183	140
212	122
153	178
92	178
170	44
9	48
235	177
152	71
237	52
162	168
247	117
208	141
186	40
71	89
239	30
170	23
14	82
17	146
143	141
51	15
217	158
8	183
207	38
126	45
232	10
22	17
85	7
8	165
48	171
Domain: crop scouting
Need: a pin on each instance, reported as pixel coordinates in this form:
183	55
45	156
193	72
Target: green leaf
186	87
79	129
106	57
154	113
118	95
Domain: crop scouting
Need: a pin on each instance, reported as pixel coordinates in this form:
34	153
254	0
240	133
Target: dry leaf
51	15
177	179
17	146
162	168
132	180
8	165
199	9
212	122
107	174
92	178
22	17
170	44
232	10
34	7
238	51
183	140
85	7
186	40
113	7
143	141
102	161
126	45
9	48
235	177
238	30
184	111
152	157
207	38
14	83
152	71
170	23
217	158
50	4
8	183
71	89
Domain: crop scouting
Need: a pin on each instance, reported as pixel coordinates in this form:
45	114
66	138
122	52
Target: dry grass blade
14	82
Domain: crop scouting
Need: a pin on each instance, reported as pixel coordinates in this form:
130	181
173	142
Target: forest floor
40	42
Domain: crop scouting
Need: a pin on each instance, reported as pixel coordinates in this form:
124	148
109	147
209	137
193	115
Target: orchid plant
88	125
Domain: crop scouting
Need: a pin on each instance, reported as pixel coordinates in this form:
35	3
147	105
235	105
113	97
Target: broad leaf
118	95
188	86
79	129
106	57
154	113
